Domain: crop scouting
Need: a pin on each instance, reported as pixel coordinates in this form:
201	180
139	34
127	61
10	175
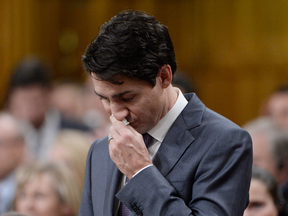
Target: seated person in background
71	148
47	189
12	154
270	149
184	83
67	98
265	197
277	106
29	99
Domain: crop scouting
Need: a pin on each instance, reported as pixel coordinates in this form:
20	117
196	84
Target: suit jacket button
136	209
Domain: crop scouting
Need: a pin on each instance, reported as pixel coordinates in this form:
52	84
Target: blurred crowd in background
47	127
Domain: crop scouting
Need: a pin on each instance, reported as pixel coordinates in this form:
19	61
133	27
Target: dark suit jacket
203	167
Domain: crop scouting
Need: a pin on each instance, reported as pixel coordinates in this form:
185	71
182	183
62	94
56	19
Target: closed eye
102	98
128	99
256	204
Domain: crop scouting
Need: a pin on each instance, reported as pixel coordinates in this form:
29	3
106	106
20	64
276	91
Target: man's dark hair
282	89
30	71
132	44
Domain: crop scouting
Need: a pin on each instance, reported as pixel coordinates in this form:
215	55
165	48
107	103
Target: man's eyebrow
99	94
115	95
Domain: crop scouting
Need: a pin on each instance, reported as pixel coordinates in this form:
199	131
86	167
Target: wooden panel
236	51
27	27
5	45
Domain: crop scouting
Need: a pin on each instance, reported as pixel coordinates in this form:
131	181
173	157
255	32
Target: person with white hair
270	149
12	154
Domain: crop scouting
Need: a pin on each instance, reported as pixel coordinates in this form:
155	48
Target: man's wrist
142	169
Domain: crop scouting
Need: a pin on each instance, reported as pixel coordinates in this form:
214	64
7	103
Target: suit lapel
179	137
173	146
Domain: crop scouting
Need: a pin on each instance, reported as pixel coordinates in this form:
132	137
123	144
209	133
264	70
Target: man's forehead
105	86
121	82
118	78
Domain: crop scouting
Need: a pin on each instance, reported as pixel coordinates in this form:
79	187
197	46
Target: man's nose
28	203
118	110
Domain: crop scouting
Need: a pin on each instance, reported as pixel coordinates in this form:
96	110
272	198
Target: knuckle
126	135
113	148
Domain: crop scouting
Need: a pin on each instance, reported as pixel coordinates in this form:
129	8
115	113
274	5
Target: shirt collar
162	127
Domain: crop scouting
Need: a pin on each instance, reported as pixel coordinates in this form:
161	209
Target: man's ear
165	75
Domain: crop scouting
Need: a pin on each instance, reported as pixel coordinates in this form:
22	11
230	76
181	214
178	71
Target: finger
123	130
109	139
114	133
124	120
116	121
119	125
134	132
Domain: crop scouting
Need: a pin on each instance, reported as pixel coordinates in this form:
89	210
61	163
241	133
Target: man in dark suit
28	98
198	162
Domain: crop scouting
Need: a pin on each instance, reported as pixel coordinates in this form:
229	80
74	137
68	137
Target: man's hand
127	148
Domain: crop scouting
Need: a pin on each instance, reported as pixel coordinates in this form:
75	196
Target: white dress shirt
162	127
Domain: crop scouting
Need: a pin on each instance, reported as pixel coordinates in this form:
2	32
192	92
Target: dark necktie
123	210
147	139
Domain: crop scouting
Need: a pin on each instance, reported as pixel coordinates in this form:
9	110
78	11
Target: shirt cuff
141	170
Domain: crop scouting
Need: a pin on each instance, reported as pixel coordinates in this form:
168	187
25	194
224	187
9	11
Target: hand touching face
127	148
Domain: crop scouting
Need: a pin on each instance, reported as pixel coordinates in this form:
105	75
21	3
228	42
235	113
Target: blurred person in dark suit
68	98
29	99
12	155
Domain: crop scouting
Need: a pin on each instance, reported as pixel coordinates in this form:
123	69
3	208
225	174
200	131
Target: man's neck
172	95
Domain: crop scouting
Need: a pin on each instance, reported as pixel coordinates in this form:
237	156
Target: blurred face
278	109
261	202
68	100
262	155
30	103
59	154
39	198
137	101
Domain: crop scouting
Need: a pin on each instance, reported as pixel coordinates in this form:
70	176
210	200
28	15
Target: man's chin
136	127
141	130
